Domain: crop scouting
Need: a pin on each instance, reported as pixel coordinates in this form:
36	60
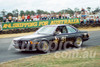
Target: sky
47	5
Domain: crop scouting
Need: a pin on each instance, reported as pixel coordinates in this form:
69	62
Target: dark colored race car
51	37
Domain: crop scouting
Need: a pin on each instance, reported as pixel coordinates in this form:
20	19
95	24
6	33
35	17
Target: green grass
83	59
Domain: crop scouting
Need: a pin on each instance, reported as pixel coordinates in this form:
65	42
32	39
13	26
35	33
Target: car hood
29	37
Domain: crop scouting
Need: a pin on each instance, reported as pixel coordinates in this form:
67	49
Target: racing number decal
63	39
56	40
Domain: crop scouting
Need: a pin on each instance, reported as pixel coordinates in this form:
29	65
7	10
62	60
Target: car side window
64	30
70	29
61	29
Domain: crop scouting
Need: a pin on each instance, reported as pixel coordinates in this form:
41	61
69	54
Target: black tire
78	42
44	47
53	47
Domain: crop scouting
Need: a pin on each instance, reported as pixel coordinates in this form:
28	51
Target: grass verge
84	57
23	34
90	29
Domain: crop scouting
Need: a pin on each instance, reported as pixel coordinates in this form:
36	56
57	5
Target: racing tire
78	42
44	47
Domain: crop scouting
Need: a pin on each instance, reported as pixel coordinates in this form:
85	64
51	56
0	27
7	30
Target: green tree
15	12
52	12
70	11
22	12
32	12
9	14
3	12
27	12
45	12
76	9
40	12
89	9
96	10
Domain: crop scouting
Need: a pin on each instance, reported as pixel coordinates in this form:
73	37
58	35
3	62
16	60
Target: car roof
58	25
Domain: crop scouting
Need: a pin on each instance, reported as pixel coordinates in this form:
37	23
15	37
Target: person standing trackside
4	19
59	15
14	18
10	18
32	17
28	17
19	18
23	18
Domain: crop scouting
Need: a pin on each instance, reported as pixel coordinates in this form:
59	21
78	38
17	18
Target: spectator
14	18
23	18
81	20
10	18
54	16
38	16
7	20
84	21
35	17
60	16
4	19
51	16
97	20
57	16
87	19
19	18
28	17
63	15
32	17
91	20
48	16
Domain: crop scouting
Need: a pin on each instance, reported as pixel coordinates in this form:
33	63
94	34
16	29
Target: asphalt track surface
7	55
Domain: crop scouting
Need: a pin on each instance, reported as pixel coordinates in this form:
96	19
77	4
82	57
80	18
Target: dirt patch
90	29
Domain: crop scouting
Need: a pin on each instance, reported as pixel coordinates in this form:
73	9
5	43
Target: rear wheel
53	47
78	42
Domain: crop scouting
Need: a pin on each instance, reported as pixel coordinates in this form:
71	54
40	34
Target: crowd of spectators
90	20
36	17
84	17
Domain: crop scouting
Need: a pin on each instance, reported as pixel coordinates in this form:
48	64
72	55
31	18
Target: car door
62	36
71	33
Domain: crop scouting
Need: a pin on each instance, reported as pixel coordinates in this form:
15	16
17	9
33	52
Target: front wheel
78	42
44	47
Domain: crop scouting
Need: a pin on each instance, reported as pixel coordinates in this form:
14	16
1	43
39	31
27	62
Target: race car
51	37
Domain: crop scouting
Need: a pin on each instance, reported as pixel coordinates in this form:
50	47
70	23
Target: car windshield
46	30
